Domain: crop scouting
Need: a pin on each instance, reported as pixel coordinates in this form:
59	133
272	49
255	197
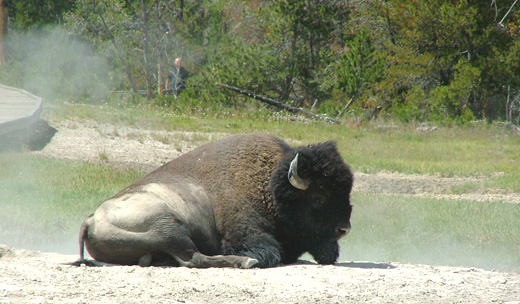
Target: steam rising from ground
30	216
53	64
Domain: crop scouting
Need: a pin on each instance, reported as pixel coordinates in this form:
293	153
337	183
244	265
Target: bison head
311	187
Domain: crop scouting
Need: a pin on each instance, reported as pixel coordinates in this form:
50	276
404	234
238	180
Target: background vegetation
448	61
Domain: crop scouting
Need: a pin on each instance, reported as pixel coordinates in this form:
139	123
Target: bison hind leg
145	260
199	260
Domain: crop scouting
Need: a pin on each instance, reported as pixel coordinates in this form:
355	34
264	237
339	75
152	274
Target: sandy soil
37	277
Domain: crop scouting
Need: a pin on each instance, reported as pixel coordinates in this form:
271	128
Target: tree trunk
181	14
147	67
292	66
3	28
119	54
159	80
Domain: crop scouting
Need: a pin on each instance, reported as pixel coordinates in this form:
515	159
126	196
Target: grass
476	150
43	201
433	231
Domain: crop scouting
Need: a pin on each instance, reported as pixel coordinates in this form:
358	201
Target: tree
353	73
3	28
26	14
138	36
433	46
146	48
302	32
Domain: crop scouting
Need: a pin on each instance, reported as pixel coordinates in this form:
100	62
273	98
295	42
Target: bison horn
294	178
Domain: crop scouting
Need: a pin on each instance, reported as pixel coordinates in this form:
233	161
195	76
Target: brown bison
241	201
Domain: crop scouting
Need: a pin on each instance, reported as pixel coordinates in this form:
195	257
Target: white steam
53	64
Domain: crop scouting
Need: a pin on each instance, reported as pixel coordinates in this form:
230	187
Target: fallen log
277	103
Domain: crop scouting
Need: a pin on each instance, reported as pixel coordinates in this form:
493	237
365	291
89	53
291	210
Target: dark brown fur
257	214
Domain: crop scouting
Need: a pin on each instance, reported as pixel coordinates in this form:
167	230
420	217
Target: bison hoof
249	263
145	260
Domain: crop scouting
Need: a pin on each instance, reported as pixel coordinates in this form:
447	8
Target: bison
243	201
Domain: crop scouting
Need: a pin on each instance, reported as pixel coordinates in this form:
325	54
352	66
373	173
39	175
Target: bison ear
294	177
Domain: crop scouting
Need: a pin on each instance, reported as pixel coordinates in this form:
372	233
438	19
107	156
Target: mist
52	64
29	215
432	232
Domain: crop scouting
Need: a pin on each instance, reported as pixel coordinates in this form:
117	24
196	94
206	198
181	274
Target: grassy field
43	201
479	149
433	231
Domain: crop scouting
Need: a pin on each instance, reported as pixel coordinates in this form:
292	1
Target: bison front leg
261	247
326	254
199	260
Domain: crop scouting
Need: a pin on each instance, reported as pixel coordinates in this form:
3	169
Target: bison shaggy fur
246	200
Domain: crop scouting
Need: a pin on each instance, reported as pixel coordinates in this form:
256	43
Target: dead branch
277	103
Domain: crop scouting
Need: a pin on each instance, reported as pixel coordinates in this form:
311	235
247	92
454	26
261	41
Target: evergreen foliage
449	61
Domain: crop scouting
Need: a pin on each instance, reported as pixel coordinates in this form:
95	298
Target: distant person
176	81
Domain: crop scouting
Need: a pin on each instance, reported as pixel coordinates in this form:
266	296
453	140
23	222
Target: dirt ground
36	277
41	277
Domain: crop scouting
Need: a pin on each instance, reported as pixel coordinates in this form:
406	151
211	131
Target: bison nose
342	231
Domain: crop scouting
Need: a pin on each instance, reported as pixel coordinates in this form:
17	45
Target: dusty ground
36	277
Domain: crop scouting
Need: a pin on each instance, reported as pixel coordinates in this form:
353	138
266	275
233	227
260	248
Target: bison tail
89	263
83	234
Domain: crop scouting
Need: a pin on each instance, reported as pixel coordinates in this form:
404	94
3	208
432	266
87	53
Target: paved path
19	109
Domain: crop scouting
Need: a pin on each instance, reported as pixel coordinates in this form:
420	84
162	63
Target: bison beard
246	200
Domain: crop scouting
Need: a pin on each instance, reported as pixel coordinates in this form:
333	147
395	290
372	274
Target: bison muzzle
243	201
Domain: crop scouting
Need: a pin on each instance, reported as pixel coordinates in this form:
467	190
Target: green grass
43	201
476	150
431	231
